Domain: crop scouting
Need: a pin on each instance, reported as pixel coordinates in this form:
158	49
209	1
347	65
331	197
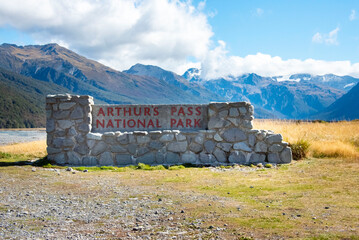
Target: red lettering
143	124
127	110
131	123
147	111
109	124
118	110
100	111
196	122
156	111
99	123
181	111
109	111
198	110
190	112
173	122
118	122
134	111
173	110
150	123
158	124
188	123
180	123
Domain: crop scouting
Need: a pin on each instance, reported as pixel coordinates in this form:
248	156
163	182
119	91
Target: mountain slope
53	63
345	108
22	100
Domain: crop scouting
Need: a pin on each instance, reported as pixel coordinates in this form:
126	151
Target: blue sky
222	38
286	28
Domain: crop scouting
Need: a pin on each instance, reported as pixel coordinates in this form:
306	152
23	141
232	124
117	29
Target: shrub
299	149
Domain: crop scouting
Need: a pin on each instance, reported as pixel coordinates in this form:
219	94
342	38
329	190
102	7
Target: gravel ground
17	136
39	203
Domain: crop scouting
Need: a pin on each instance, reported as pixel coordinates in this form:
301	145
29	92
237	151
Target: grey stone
242	146
235	121
143	139
142	150
172	157
72	132
251	140
261	147
156	145
237	157
189	157
89	161
242	110
91	143
110	139
63	142
51	150
81	149
80	138
199	138
211	112
261	135
94	136
50	125
223	113
234	135
251	109
206	158
233	112
77	113
247	124
177	146
132	148
167	137
109	134
123	159
99	148
66	105
218	138
61	114
286	155
84	127
273	158
220	155
84	101
209	146
131	138
257	158
73	158
118	149
275	148
60	133
216	122
160	157
106	159
148	158
225	146
218	106
180	137
59	158
123	139
274	138
195	147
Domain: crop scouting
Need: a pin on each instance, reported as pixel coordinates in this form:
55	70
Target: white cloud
258	12
118	32
352	15
218	64
329	39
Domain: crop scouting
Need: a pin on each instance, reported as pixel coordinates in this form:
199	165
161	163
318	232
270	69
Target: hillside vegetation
22	100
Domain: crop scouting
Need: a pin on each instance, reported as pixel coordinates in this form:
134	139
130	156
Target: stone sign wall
148	117
81	133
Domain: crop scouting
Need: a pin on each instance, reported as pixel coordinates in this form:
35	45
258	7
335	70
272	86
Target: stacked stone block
228	140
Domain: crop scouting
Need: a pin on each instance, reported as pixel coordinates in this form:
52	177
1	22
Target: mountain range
28	73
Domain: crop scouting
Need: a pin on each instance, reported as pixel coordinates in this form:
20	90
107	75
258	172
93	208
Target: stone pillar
68	121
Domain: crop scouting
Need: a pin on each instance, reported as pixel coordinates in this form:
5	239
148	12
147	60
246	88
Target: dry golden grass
35	148
336	139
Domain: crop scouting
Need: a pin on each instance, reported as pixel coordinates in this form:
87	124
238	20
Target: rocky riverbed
17	136
40	203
